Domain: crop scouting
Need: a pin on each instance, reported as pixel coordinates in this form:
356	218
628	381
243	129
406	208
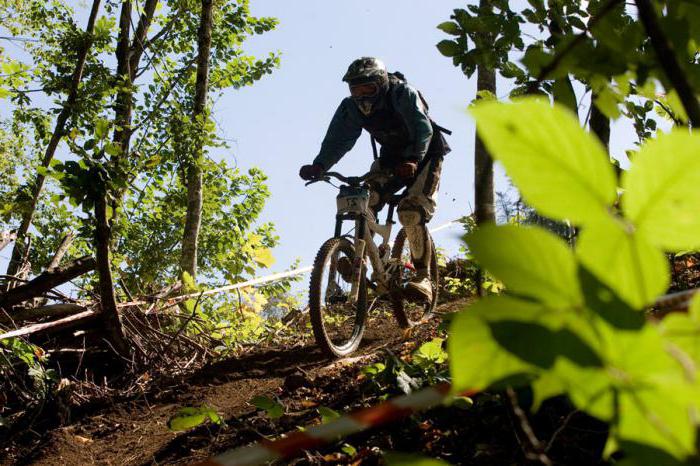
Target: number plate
352	200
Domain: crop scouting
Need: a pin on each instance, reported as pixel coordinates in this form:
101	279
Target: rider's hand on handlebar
406	169
310	172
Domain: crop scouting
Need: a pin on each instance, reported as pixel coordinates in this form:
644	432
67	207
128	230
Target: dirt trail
135	432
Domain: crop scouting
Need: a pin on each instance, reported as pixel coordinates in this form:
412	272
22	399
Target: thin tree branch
537	451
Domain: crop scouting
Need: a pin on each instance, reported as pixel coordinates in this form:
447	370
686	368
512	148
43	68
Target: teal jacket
400	125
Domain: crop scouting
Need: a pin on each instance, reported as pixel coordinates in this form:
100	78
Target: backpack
398	77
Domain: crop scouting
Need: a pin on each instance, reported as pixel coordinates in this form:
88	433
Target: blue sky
278	123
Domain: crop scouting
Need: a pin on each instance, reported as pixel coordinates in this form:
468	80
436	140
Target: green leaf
655	394
658	417
636	454
607	102
563	92
327	414
430	353
662	198
410	459
605	302
188	282
272	408
373	369
559	168
478	358
624	261
450	27
460	402
101	128
263	257
348	449
683	330
530	261
189	417
448	48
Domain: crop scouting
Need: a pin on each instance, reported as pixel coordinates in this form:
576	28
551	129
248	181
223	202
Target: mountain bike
351	273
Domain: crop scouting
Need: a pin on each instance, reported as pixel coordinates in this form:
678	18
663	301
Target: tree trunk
600	124
128	55
103	231
108	300
669	61
485	210
58	133
188	261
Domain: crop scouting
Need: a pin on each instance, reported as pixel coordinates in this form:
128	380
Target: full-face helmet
368	81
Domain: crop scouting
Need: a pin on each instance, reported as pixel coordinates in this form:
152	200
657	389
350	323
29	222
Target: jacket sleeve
410	106
341	136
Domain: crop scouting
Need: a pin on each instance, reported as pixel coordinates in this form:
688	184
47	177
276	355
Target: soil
134	431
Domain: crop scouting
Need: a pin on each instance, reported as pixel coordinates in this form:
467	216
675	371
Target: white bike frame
382	265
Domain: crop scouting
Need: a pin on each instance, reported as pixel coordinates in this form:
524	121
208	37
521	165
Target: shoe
420	289
344	267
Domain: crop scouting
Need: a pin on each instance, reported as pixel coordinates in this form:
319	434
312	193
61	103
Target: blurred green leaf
624	261
189	417
529	261
272	408
559	168
662	198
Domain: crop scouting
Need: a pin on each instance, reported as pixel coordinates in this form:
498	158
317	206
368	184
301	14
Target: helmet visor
364	90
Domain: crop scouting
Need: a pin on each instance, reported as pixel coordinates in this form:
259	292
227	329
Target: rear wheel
407	312
338	323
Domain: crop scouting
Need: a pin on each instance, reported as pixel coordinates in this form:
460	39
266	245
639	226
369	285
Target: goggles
364	90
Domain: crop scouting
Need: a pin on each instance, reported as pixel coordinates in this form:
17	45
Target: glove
310	172
406	169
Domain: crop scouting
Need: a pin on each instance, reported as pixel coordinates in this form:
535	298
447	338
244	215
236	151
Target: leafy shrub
571	321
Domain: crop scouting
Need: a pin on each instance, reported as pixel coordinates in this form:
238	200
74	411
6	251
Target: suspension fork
358	263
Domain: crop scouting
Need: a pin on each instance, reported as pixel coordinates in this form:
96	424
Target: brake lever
316	180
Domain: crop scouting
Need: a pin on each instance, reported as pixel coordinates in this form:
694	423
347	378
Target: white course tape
274	277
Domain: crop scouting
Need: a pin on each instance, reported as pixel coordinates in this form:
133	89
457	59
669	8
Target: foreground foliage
571	322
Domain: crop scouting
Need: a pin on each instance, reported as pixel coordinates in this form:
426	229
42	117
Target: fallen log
46	281
60	324
6	237
52	310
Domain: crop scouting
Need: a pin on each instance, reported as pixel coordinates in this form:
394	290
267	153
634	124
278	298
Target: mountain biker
412	148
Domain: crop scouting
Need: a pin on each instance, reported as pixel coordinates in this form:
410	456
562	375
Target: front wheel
407	312
338	323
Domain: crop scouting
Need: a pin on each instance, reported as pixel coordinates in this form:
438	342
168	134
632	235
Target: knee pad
417	236
410	218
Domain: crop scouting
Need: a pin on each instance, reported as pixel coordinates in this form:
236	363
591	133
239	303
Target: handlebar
350	180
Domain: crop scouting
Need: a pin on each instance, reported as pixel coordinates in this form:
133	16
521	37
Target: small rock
297	380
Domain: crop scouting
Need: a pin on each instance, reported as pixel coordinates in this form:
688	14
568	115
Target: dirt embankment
135	432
